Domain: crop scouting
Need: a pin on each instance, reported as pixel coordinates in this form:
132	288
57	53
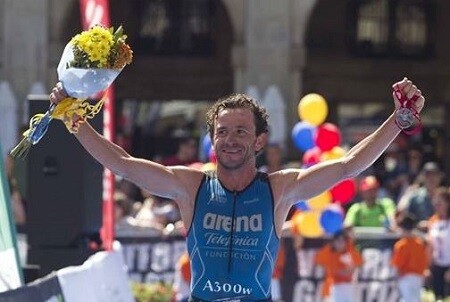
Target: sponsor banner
152	259
303	280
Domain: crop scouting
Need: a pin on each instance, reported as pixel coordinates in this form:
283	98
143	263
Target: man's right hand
58	94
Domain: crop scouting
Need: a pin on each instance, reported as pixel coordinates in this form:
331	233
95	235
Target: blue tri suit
232	241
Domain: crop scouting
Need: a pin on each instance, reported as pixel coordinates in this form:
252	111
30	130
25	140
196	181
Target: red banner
95	12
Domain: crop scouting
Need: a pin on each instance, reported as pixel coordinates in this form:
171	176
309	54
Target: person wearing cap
371	211
418	201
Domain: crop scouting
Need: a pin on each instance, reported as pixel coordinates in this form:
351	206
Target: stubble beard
234	165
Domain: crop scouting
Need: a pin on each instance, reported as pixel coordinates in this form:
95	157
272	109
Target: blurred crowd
403	192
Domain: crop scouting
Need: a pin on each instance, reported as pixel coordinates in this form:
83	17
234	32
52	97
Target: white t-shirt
439	235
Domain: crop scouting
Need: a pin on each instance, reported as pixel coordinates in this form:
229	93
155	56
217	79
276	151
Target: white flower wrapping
83	83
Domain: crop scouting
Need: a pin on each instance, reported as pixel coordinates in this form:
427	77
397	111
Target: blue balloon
302	205
331	221
303	136
206	146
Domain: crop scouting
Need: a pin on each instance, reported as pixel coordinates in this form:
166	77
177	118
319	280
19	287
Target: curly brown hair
234	101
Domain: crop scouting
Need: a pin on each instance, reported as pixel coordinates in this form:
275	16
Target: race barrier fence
103	277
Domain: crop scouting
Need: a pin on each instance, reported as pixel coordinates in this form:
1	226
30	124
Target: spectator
395	176
415	163
17	204
123	212
273	156
418	200
371	211
278	274
158	213
340	259
182	279
410	259
186	153
439	239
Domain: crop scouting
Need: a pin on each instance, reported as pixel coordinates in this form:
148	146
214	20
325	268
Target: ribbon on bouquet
73	112
407	117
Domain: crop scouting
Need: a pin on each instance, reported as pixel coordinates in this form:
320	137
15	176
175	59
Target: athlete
235	215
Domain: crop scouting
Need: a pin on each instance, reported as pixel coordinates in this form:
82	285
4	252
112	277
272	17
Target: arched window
394	28
175	27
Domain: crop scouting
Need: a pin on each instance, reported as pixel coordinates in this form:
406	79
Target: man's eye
241	132
221	132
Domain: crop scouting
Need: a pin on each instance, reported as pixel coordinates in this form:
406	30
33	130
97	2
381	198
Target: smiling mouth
231	151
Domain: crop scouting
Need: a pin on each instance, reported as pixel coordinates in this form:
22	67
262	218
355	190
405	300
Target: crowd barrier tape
101	278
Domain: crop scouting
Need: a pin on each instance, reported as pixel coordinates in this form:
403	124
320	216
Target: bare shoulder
189	178
282	180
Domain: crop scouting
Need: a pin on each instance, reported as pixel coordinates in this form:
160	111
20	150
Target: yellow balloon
209	166
313	109
320	201
335	153
308	224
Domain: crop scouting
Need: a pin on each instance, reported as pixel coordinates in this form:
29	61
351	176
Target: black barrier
151	259
45	289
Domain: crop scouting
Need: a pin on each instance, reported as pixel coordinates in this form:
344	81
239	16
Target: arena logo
217	222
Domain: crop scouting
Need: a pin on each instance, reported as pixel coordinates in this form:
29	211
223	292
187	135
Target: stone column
25	40
274	52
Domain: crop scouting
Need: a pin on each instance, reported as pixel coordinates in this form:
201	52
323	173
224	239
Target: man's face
235	141
369	195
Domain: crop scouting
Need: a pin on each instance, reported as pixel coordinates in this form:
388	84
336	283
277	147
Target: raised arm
176	183
304	184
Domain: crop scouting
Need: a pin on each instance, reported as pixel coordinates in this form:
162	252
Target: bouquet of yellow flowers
91	61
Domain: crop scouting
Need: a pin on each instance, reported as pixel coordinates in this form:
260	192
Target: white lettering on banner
305	264
252	223
377	291
153	261
377	264
160	262
306	291
310	291
217	287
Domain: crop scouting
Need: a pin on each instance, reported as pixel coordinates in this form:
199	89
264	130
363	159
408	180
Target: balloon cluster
319	141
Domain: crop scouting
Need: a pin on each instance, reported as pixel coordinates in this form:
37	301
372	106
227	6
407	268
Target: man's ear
261	141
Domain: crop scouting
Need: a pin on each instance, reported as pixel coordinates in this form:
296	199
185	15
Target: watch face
405	117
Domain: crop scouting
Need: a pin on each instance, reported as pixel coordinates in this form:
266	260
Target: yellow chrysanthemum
100	47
